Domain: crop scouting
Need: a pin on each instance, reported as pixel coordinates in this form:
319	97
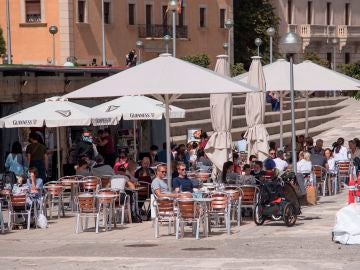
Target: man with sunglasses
182	183
158	186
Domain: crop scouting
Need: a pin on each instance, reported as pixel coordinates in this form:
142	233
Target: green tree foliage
352	70
2	43
201	60
313	57
237	69
252	18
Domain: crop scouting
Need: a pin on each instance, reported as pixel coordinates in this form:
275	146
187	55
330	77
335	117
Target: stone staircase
197	108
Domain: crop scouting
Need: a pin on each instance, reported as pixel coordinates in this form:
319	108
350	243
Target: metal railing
33	18
159	31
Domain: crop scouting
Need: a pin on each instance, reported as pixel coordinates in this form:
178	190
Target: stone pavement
347	125
307	245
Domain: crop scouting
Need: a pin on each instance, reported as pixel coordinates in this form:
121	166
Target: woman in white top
330	161
339	151
304	164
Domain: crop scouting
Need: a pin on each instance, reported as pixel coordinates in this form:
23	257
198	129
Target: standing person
182	183
241	144
37	156
317	154
153	154
15	161
203	140
131	58
108	148
280	162
85	147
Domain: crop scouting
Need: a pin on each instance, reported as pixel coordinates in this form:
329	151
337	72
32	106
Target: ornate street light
229	24
139	45
226	47
53	31
258	43
290	44
173	5
167	40
271	32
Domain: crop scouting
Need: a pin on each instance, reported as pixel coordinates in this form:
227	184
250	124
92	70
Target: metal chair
188	212
343	168
70	189
86	207
220	206
164	208
249	197
144	197
18	206
90	184
107	204
321	175
53	195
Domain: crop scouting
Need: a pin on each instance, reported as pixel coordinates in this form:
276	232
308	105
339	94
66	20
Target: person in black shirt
258	171
182	183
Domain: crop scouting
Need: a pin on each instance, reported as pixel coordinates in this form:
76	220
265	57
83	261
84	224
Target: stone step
199	113
180	128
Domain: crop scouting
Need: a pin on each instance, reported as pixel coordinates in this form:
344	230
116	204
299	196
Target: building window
309	12
181	17
347	58
222	17
107	12
33	11
328	13
329	59
81	11
347	14
164	15
289	12
131	14
202	17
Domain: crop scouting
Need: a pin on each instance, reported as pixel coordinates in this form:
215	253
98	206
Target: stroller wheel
258	218
289	215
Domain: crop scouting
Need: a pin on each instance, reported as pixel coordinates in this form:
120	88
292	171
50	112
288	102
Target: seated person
257	171
83	168
121	160
34	184
158	186
100	168
228	175
237	162
182	183
145	173
247	178
122	180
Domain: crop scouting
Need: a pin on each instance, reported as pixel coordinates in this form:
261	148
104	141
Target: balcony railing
159	31
315	31
348	31
33	18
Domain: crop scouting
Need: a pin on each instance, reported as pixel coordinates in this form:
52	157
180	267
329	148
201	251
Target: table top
73	181
203	199
106	196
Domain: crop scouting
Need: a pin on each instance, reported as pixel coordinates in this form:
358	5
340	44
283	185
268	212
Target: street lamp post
103	33
271	32
229	23
167	39
173	5
334	42
258	43
9	59
290	43
53	30
226	47
139	45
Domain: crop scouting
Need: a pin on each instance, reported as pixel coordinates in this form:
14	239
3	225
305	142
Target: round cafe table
204	202
107	201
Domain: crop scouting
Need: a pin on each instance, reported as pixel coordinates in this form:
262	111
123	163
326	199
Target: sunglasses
162	171
272	153
181	170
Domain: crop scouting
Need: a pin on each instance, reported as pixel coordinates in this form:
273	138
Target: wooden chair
344	169
86	207
70	189
18	206
54	195
185	195
321	176
107	204
249	196
164	212
90	184
188	212
220	207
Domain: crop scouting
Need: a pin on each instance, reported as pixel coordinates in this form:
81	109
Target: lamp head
173	5
53	29
229	23
258	42
225	46
167	38
290	43
270	31
334	41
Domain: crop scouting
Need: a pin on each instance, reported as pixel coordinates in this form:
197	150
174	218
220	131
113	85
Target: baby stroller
274	204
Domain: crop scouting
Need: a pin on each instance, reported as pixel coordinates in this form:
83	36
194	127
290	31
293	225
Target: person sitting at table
228	175
83	168
304	165
145	173
158	186
100	168
246	178
258	171
122	179
237	163
121	160
131	170
182	183
34	183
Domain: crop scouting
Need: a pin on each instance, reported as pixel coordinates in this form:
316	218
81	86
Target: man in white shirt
280	163
241	144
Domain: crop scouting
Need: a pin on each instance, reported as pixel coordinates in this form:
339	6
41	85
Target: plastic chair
86	207
220	206
164	212
18	206
321	175
188	212
53	195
